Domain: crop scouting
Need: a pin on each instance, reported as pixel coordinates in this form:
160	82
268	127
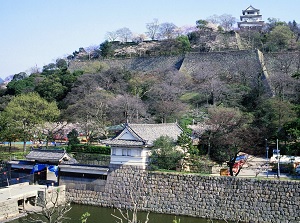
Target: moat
103	215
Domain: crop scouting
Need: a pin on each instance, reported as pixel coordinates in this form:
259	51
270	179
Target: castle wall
194	195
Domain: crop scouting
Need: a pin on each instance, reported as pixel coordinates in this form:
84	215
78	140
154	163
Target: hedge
89	149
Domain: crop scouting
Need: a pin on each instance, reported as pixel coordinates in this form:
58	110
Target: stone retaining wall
8	210
201	196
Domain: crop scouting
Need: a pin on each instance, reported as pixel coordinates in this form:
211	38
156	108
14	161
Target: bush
164	155
89	149
284	168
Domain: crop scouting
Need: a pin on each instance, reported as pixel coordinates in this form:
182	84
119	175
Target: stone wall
240	62
83	183
8	210
194	195
147	63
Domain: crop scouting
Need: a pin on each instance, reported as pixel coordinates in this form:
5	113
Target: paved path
257	167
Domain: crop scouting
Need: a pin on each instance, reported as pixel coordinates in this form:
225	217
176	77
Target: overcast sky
37	32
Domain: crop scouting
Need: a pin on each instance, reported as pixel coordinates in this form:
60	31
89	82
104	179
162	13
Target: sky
35	33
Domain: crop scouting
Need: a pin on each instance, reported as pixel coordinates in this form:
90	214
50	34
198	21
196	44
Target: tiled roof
150	132
47	155
119	142
92	169
145	134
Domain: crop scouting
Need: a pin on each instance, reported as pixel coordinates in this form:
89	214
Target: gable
126	135
137	135
250	8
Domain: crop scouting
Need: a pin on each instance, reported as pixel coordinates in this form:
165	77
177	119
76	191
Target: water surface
103	215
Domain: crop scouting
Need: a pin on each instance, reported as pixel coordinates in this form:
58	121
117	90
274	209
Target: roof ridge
48	150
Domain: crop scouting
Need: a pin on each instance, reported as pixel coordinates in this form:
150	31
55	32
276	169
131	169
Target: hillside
206	77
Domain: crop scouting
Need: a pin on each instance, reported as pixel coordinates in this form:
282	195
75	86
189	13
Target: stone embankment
200	196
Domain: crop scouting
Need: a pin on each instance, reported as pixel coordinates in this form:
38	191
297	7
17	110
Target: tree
164	154
90	50
124	34
282	81
163	98
167	30
138	38
61	64
19	76
152	28
73	137
91	113
272	23
280	38
184	43
106	49
26	111
126	108
49	69
51	208
292	130
201	24
51	89
226	132
16	87
186	143
295	28
8	131
214	19
111	36
227	21
276	114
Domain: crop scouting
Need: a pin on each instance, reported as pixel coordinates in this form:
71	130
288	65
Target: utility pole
278	156
267	151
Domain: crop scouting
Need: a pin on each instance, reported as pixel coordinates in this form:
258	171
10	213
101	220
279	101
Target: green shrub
89	149
284	168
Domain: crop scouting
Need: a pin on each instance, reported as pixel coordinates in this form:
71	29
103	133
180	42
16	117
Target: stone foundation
200	196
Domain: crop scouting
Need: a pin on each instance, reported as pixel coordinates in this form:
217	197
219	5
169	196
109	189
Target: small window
124	152
128	152
113	151
138	152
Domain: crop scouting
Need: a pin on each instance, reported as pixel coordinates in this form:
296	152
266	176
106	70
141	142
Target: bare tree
51	207
91	113
211	85
90	49
111	36
126	216
227	21
124	34
167	30
283	68
213	19
138	38
152	28
126	108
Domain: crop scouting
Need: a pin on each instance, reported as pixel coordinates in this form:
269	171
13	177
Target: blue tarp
54	169
243	157
40	167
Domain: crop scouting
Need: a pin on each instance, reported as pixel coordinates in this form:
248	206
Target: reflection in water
103	215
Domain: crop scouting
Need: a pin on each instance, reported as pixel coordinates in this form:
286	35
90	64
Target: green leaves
24	112
164	154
